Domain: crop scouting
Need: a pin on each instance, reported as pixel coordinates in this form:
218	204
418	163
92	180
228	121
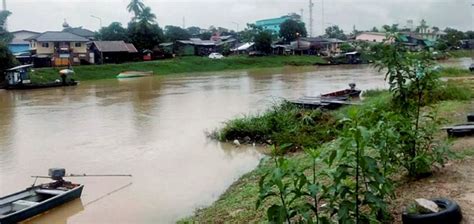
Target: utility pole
311	5
184	22
302	11
4	8
322	16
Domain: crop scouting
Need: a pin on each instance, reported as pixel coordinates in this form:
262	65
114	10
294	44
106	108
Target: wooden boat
23	86
38	199
19	78
352	92
460	130
134	74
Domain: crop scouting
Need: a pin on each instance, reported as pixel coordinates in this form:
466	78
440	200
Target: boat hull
134	74
40	207
40	86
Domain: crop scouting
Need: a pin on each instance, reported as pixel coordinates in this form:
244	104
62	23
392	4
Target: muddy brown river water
153	128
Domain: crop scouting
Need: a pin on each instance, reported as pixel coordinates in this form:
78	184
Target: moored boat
352	92
19	78
134	74
38	199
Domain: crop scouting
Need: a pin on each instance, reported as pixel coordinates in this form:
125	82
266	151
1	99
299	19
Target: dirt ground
454	181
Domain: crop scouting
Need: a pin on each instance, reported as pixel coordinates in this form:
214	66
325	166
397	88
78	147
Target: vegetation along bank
177	65
351	164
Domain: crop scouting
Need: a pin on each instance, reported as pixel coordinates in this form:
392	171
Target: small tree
263	42
144	35
335	32
194	31
173	33
114	31
5	36
290	30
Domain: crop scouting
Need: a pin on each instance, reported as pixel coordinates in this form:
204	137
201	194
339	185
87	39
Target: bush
284	123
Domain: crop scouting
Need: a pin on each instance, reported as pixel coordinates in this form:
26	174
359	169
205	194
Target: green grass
454	72
176	65
237	204
281	124
461	53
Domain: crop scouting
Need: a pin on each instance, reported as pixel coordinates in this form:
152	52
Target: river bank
177	65
237	204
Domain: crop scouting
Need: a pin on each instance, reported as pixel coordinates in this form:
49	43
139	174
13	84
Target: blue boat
38	199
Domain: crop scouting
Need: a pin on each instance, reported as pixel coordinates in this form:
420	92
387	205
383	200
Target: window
45	45
77	44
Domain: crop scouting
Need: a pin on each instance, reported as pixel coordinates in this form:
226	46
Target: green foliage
5	36
144	35
174	33
136	7
7	60
412	79
263	41
281	124
346	47
205	36
194	31
452	37
114	31
393	28
290	30
335	32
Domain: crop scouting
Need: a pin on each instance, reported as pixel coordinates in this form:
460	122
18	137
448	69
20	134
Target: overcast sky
43	15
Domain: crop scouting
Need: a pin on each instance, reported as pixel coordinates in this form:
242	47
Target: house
273	24
62	48
19	44
376	37
198	47
244	48
111	52
317	45
81	32
467	44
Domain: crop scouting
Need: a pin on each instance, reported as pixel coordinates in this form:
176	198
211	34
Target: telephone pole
311	5
4	8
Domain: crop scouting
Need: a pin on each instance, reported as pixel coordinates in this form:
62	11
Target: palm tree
146	15
136	6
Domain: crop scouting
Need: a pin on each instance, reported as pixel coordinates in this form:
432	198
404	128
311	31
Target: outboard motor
57	173
352	85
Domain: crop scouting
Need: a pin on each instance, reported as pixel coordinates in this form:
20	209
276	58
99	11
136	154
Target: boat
40	85
350	93
19	78
134	74
37	199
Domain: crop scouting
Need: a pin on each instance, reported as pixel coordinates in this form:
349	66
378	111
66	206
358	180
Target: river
153	128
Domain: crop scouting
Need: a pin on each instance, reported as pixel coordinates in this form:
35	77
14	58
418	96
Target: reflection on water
58	215
153	128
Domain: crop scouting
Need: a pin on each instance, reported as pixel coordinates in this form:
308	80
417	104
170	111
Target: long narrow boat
134	74
344	93
41	85
38	199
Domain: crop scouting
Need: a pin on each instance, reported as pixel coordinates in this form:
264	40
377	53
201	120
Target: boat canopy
19	67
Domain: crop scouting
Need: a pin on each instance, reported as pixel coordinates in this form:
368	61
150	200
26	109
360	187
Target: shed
112	51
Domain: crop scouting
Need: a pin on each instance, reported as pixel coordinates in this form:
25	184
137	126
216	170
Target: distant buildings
273	24
19	44
375	37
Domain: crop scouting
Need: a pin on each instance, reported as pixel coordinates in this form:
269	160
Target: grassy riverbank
455	72
177	65
237	204
461	53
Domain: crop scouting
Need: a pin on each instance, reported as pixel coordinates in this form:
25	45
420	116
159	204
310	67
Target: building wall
44	50
272	24
371	37
80	50
19	37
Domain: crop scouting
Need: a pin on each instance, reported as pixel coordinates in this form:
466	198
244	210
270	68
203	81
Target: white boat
134	74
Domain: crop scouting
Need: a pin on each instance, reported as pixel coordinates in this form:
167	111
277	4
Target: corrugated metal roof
131	48
80	32
113	46
56	36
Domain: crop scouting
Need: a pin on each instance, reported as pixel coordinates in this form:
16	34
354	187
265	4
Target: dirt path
455	181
